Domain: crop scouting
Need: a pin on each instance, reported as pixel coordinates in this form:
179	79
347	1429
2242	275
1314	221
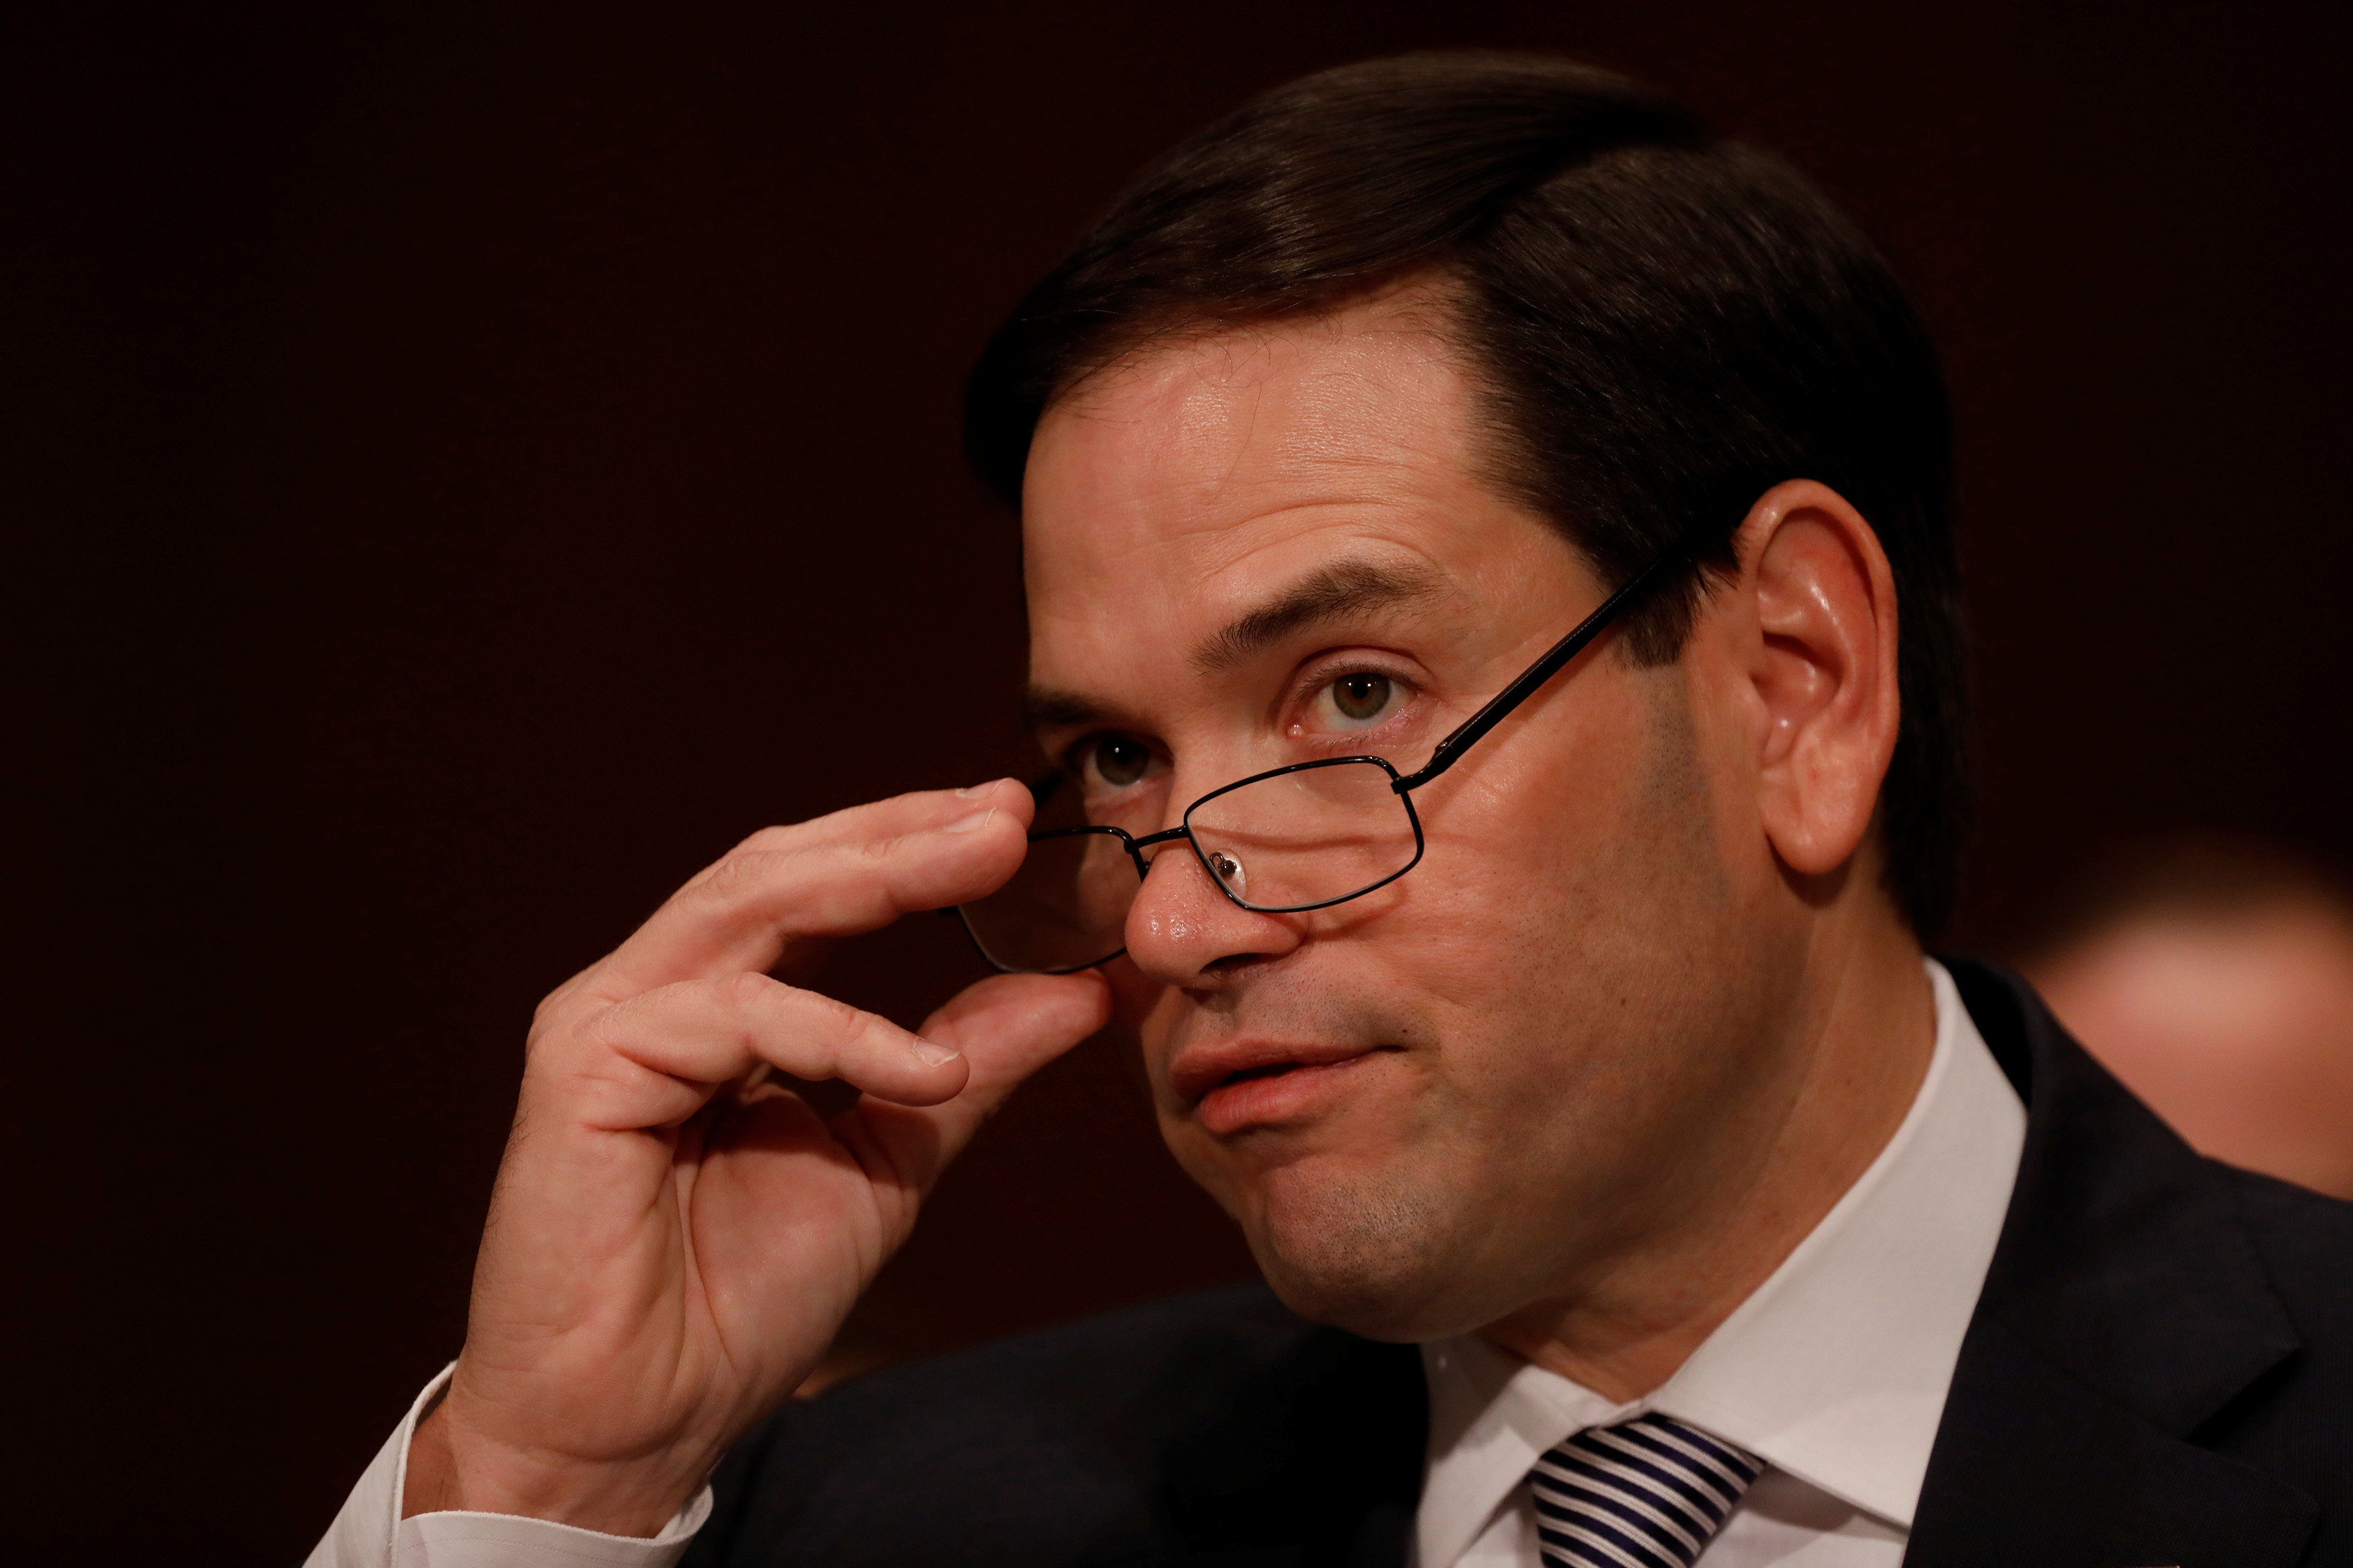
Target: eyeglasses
1294	838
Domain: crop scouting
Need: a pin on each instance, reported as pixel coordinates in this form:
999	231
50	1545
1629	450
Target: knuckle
565	992
600	1031
858	1028
766	841
557	1062
561	1002
749	989
848	1024
740	873
732	871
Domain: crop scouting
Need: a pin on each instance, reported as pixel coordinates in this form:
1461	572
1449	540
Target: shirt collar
1834	1369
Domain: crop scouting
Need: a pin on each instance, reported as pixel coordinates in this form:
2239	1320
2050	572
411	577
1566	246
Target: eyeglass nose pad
1225	869
1148	855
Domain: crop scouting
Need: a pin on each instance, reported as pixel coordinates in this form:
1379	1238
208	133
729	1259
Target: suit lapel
1315	1463
2126	1307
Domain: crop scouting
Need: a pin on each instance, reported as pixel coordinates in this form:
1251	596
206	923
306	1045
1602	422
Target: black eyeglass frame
1448	751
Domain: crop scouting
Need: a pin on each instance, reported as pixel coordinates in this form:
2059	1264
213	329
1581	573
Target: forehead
1178	487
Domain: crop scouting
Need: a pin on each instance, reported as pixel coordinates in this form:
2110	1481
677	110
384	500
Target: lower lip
1276	1097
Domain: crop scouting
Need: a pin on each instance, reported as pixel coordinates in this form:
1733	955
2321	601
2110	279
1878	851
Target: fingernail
972	791
978	819
933	1055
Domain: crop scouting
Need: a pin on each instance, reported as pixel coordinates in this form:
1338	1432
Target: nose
1181	929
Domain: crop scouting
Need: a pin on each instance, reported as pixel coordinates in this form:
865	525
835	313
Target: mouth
1247	1084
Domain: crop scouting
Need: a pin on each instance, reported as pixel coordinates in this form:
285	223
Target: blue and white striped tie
1649	1493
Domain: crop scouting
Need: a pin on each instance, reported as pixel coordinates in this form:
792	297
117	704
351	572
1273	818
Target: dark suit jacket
2159	1371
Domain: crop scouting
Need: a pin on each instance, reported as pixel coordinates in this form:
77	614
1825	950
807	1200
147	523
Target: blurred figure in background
2215	978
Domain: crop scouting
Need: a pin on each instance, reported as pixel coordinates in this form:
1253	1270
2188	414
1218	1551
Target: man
1491	607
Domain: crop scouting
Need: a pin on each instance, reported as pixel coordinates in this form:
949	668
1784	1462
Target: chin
1373	1257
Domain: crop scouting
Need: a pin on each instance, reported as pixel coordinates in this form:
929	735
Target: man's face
1481	1086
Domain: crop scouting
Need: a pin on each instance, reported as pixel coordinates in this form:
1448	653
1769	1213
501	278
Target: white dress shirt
1834	1371
370	1533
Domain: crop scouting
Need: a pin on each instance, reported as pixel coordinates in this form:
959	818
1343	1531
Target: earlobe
1822	667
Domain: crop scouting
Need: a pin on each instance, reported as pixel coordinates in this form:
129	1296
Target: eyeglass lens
1294	840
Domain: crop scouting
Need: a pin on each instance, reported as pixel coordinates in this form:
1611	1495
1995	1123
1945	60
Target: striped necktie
1649	1493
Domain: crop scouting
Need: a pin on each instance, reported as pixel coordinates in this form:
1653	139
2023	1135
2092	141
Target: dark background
469	469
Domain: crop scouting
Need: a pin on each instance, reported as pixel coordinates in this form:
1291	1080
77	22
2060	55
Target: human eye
1355	699
1108	763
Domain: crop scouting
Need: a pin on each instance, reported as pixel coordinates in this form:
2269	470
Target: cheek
1516	852
1556	900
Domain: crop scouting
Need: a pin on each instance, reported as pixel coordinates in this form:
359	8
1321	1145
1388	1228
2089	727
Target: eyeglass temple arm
1500	707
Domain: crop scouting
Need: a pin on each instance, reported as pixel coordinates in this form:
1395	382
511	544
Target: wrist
454	1467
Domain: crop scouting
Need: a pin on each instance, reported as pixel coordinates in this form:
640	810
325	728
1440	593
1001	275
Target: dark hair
1664	326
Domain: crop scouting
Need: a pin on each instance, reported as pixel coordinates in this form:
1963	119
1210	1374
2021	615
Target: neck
1858	1045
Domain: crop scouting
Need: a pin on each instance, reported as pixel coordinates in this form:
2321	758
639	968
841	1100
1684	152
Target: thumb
1007	1027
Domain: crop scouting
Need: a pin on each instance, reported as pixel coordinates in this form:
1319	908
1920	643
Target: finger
742	912
655	1059
900	814
1007	1027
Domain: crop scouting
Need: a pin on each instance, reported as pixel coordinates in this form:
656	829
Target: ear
1819	647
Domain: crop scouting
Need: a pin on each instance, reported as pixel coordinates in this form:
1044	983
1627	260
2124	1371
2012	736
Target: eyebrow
1344	588
1042	709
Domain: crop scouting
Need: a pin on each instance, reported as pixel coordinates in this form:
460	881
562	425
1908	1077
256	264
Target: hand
673	1242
